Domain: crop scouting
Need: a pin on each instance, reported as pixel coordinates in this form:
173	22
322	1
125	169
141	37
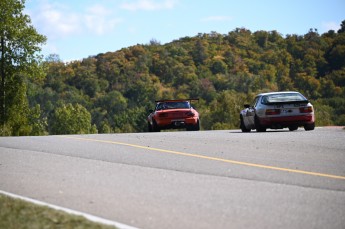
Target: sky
77	29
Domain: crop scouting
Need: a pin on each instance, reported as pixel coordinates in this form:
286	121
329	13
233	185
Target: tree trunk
3	93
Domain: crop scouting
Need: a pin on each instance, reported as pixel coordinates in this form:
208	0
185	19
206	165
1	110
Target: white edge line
70	211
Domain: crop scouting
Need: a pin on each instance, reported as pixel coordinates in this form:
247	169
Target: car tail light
190	114
306	109
272	111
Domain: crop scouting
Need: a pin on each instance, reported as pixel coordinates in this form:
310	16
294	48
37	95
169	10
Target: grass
19	214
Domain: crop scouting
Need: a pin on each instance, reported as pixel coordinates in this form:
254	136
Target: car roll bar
175	100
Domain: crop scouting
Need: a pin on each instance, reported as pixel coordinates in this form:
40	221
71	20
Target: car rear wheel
155	127
242	126
258	126
308	127
149	127
293	128
195	127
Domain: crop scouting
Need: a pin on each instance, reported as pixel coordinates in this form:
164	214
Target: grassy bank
18	214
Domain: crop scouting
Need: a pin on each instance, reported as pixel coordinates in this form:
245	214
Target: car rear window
283	98
173	105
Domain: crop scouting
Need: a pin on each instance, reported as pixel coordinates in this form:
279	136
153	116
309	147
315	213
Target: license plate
286	111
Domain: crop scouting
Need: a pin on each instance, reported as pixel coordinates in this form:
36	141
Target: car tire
293	128
195	127
309	127
155	127
242	126
258	126
149	127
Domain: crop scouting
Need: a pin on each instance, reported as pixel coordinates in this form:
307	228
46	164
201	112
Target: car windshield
284	97
173	105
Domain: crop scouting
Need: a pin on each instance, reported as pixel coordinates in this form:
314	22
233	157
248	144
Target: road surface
204	179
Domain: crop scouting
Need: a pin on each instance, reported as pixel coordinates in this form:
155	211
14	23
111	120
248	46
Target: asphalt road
205	179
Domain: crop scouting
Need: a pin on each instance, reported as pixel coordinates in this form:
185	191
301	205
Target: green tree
224	111
114	102
17	120
37	123
342	27
19	45
218	66
200	54
71	119
224	71
323	114
336	54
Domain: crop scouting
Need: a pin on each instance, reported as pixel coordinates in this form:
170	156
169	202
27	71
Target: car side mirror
150	110
246	105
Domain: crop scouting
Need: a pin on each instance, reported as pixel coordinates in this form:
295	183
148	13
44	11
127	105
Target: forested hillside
112	92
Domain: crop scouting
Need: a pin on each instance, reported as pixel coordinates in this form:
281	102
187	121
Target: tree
19	45
17	121
114	102
200	54
335	55
71	119
223	71
342	27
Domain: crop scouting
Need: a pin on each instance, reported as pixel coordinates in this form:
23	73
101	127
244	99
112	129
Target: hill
112	92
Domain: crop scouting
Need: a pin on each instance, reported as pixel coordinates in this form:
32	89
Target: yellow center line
211	158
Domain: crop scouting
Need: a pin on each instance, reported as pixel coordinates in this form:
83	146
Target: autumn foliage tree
113	92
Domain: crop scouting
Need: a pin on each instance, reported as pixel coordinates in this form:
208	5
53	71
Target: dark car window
173	105
284	97
160	106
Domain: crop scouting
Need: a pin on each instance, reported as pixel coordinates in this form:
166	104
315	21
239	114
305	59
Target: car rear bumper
286	121
177	123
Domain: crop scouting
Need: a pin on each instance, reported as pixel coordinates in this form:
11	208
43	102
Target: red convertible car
173	114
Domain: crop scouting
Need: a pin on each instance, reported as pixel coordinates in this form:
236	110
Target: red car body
173	114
